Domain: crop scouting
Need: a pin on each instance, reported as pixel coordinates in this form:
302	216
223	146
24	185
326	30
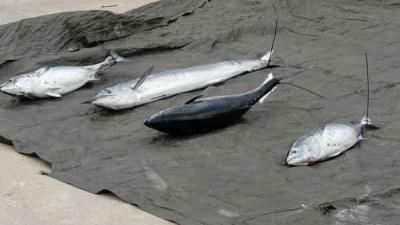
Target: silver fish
161	85
326	142
56	81
330	140
149	88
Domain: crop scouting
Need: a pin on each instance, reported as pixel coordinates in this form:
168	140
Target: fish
161	85
198	115
205	114
54	82
331	139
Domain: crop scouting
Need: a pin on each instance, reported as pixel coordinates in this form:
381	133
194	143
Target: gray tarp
234	175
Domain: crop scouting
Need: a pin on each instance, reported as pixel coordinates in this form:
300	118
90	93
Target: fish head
154	121
298	156
113	99
166	119
11	87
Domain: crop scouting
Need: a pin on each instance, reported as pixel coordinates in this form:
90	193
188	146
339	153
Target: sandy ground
29	198
13	10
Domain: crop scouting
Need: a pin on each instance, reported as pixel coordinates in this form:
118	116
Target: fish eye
294	151
108	91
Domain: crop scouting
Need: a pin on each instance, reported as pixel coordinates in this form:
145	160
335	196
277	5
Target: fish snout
110	102
291	162
153	121
297	157
3	85
148	123
296	161
9	87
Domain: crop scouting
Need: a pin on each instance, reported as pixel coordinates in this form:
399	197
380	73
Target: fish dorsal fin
193	99
41	71
143	77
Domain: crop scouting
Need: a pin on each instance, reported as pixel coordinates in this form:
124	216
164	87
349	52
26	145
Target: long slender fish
330	140
165	84
56	81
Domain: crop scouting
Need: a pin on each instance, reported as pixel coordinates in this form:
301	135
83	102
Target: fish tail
268	79
117	58
95	77
267	57
367	123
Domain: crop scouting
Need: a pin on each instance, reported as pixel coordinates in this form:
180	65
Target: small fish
330	140
53	82
165	84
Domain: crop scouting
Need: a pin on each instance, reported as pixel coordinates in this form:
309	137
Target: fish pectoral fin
16	101
193	99
25	95
53	94
159	97
143	77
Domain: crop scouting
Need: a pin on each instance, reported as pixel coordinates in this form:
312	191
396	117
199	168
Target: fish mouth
93	100
108	102
8	92
296	162
151	122
148	123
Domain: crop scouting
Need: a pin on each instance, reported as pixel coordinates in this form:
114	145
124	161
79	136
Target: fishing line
305	89
366	63
273	41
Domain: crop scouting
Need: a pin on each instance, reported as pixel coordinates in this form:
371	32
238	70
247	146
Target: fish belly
65	79
337	139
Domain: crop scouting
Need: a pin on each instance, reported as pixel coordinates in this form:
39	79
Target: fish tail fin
267	57
268	79
111	60
367	123
95	77
117	58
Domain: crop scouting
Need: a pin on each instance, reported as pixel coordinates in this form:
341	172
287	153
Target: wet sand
30	198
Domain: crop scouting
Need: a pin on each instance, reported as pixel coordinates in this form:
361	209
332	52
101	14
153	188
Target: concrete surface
13	10
29	198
